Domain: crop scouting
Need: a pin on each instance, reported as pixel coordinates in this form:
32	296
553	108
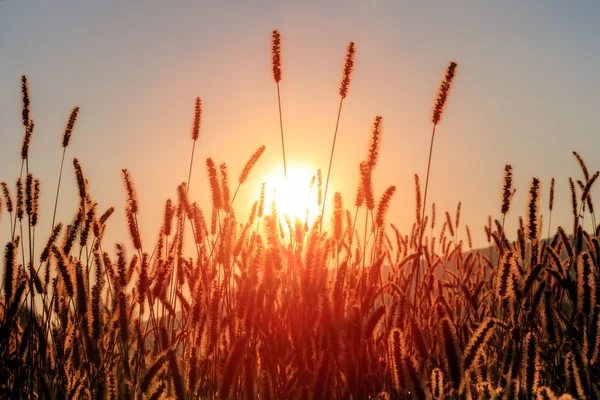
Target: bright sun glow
294	196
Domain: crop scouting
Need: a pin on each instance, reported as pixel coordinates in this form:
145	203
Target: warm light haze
340	199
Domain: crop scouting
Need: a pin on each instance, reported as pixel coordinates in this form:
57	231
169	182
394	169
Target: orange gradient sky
526	93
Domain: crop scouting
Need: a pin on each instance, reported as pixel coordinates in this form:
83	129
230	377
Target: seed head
348	67
25	101
197	119
276	55
69	127
443	92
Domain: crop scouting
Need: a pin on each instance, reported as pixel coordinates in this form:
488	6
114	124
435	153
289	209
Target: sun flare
295	197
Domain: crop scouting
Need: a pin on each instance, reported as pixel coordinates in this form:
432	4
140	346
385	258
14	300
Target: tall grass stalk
438	110
344	85
276	65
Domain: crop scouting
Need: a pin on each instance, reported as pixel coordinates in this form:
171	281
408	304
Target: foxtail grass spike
375	142
507	189
346	77
250	164
276	64
551	202
443	93
25	102
533	210
197	119
70	126
348	68
276	55
27	140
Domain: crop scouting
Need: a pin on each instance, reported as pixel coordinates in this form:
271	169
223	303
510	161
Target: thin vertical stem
281	129
62	162
190	172
337	123
422	227
365	240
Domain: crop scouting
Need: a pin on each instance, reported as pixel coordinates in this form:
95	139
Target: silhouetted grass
274	308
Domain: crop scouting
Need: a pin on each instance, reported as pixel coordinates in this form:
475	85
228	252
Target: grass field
285	307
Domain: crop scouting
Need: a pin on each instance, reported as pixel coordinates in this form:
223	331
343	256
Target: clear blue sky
527	93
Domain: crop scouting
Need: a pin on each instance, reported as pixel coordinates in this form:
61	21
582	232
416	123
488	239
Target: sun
295	197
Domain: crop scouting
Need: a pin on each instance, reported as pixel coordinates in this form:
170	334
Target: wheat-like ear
10	257
29	194
81	182
443	92
70	126
574	205
214	184
585	196
168	217
367	186
20	199
63	269
469	239
533	210
594	347
123	317
36	202
132	198
152	372
396	342
418	200
375	144
551	202
452	354
507	189
225	187
276	55
545	393
27	140
143	282
581	373
25	101
87	225
37	282
582	165
348	68
97	320
338	217
478	340
232	367
319	188
81	289
565	241
7	197
437	384
383	206
586	285
250	164
531	277
449	224
570	376
374	321
197	119
133	228
528	364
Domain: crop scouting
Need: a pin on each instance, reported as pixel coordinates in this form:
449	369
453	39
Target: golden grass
272	308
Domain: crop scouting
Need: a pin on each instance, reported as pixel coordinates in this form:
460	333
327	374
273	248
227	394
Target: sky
526	93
